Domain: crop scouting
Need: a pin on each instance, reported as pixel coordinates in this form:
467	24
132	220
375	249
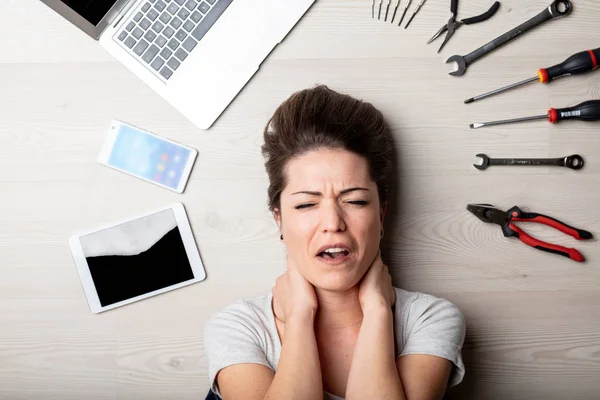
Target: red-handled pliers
506	219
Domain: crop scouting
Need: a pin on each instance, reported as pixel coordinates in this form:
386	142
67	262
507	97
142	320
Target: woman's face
330	217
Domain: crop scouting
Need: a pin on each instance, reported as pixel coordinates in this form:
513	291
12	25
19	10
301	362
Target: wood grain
533	318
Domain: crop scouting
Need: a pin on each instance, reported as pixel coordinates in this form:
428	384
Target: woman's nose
332	219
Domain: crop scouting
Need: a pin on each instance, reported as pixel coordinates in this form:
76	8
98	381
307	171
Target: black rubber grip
586	111
454	7
483	17
579	63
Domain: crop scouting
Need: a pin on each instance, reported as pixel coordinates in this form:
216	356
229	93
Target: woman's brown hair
321	118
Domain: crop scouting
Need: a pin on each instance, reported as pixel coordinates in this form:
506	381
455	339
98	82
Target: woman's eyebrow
345	191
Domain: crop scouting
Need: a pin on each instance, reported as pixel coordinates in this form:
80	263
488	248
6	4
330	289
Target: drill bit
415	13
387	10
404	13
380	4
395	11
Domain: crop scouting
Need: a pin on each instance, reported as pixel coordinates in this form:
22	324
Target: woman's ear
277	217
382	212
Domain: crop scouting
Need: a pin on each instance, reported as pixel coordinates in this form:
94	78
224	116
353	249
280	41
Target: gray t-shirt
245	333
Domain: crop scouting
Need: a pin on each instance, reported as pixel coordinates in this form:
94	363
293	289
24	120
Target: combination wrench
574	162
558	9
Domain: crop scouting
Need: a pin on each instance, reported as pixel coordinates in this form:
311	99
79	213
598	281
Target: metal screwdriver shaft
508	121
504	89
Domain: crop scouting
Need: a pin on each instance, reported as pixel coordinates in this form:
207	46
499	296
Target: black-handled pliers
506	219
453	24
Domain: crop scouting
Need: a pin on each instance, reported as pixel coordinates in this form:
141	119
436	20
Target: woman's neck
338	310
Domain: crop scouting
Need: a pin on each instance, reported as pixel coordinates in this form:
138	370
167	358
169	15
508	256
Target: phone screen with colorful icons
147	156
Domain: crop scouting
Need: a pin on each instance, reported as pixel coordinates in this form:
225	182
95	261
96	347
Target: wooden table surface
533	318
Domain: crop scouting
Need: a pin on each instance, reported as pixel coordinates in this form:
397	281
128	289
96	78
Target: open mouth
332	254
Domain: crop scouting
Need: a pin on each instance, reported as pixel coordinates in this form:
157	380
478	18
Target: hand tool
415	13
387	10
506	219
587	111
404	13
579	63
574	162
380	4
453	24
395	11
558	9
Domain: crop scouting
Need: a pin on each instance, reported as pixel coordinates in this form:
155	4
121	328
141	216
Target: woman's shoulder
426	324
253	314
416	308
407	300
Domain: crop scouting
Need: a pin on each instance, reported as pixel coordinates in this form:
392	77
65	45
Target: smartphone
146	156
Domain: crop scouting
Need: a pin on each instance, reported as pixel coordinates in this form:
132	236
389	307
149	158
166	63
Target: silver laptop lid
91	16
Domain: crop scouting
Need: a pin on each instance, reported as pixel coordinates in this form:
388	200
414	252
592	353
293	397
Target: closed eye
301	206
359	202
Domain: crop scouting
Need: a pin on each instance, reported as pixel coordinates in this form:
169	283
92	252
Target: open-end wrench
574	162
558	9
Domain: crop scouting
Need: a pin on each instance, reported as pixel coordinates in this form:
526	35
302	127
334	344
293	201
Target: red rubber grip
594	59
552	223
552	116
552	248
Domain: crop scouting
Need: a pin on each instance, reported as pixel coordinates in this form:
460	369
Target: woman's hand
375	289
293	296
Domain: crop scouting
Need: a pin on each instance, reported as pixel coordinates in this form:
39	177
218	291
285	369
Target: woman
333	327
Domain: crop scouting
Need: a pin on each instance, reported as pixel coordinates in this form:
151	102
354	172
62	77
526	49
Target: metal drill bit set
382	11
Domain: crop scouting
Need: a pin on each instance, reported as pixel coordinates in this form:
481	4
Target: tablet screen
137	257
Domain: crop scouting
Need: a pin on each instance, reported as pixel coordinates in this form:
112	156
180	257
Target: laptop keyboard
162	33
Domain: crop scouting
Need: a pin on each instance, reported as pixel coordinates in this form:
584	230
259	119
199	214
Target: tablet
135	259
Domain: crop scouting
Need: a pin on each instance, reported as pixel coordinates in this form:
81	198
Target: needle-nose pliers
453	24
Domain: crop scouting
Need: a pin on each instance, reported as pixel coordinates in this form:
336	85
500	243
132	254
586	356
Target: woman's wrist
302	316
376	306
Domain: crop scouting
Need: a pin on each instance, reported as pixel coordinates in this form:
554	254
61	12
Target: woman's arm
373	374
298	373
424	377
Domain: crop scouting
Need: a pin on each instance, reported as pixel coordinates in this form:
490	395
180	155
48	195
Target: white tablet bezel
109	142
190	248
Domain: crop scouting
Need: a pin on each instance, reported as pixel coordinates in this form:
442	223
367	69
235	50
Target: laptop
197	54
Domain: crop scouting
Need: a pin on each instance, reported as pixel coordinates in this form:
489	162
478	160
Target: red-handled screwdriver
587	111
579	63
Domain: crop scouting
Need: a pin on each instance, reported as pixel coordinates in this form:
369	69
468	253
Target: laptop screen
92	10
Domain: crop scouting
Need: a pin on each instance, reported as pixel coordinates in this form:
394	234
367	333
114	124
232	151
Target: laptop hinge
123	12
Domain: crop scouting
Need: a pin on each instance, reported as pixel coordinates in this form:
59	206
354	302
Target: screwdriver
586	111
579	63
